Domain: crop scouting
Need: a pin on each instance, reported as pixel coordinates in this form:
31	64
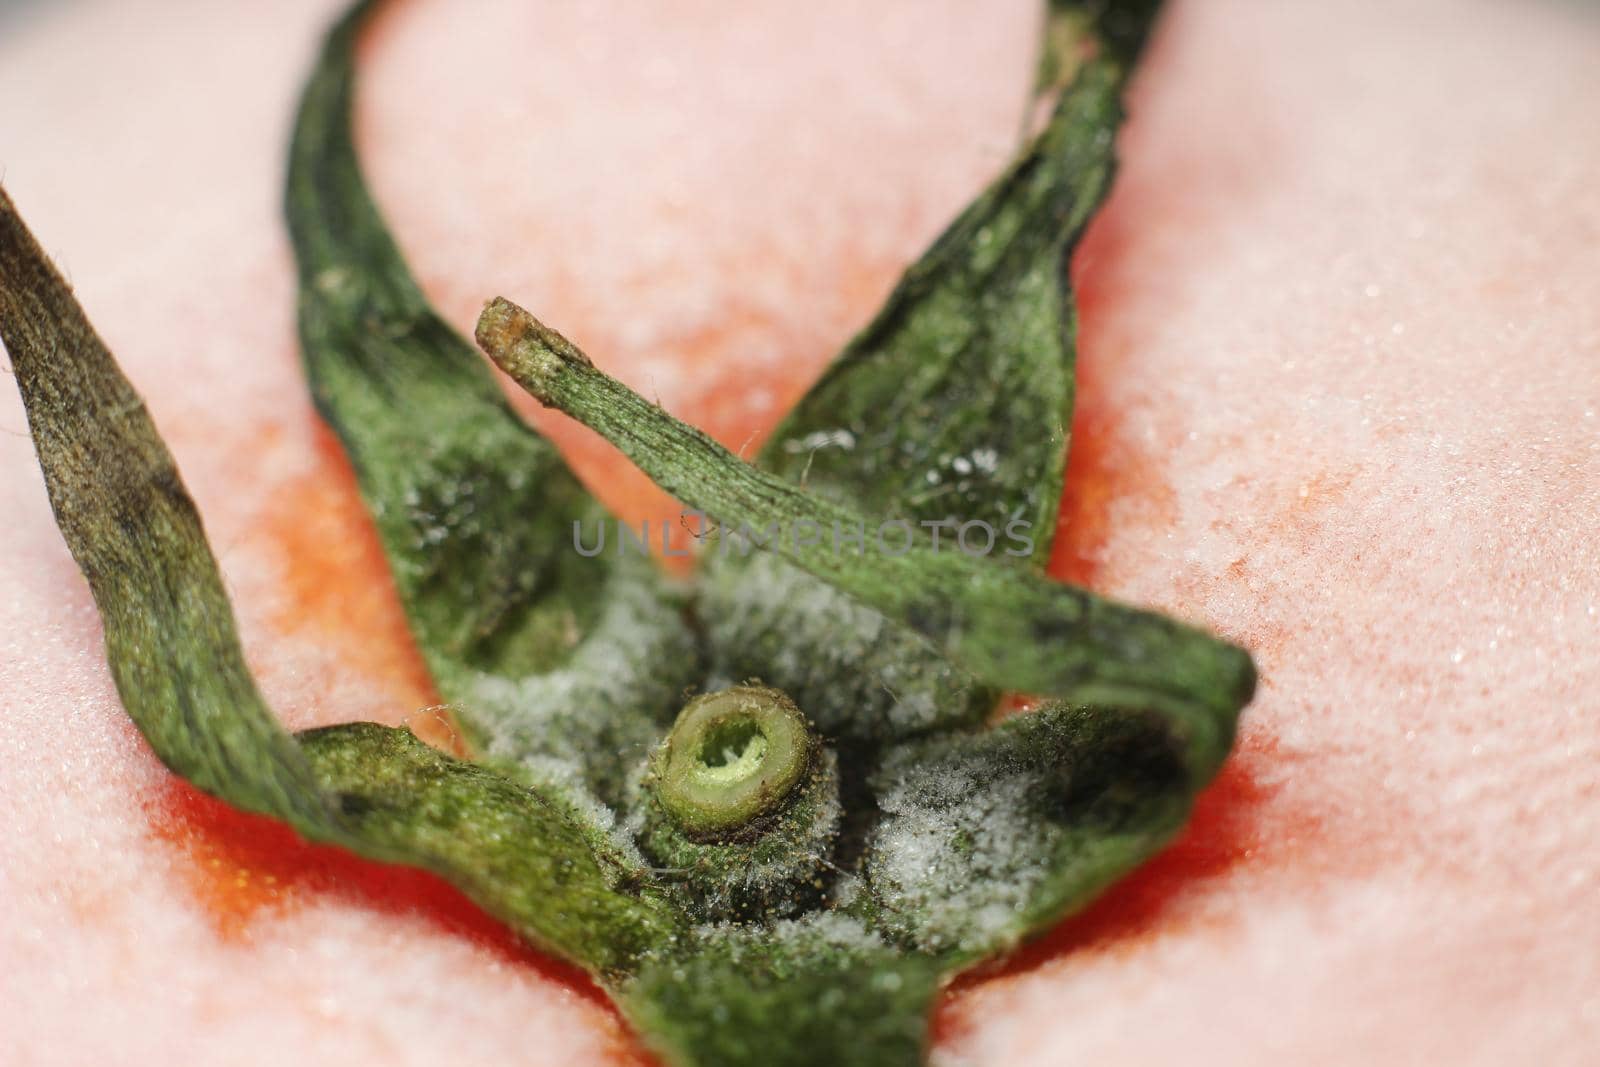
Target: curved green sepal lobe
523	856
860	677
1009	628
987	838
475	510
133	529
954	403
822	989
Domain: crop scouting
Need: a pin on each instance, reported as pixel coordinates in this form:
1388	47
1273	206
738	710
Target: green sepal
818	990
564	664
522	855
1099	788
955	402
169	631
1008	627
527	856
987	838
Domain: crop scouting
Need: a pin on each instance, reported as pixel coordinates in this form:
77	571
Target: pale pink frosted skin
1340	383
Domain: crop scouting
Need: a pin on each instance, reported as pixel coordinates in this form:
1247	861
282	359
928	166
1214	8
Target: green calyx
746	893
732	759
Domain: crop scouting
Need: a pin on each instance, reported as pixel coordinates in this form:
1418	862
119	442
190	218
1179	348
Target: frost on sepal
822	989
587	723
987	838
859	676
526	856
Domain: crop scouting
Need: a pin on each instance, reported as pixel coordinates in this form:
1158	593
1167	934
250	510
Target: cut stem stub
732	758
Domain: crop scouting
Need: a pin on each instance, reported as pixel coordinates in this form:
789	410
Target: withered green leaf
131	526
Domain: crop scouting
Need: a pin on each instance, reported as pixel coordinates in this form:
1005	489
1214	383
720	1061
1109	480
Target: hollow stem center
734	749
732	758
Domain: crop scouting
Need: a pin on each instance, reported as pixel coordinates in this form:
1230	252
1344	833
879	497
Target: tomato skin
1336	398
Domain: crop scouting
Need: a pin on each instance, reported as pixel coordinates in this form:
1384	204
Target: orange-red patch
337	584
244	866
1104	466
